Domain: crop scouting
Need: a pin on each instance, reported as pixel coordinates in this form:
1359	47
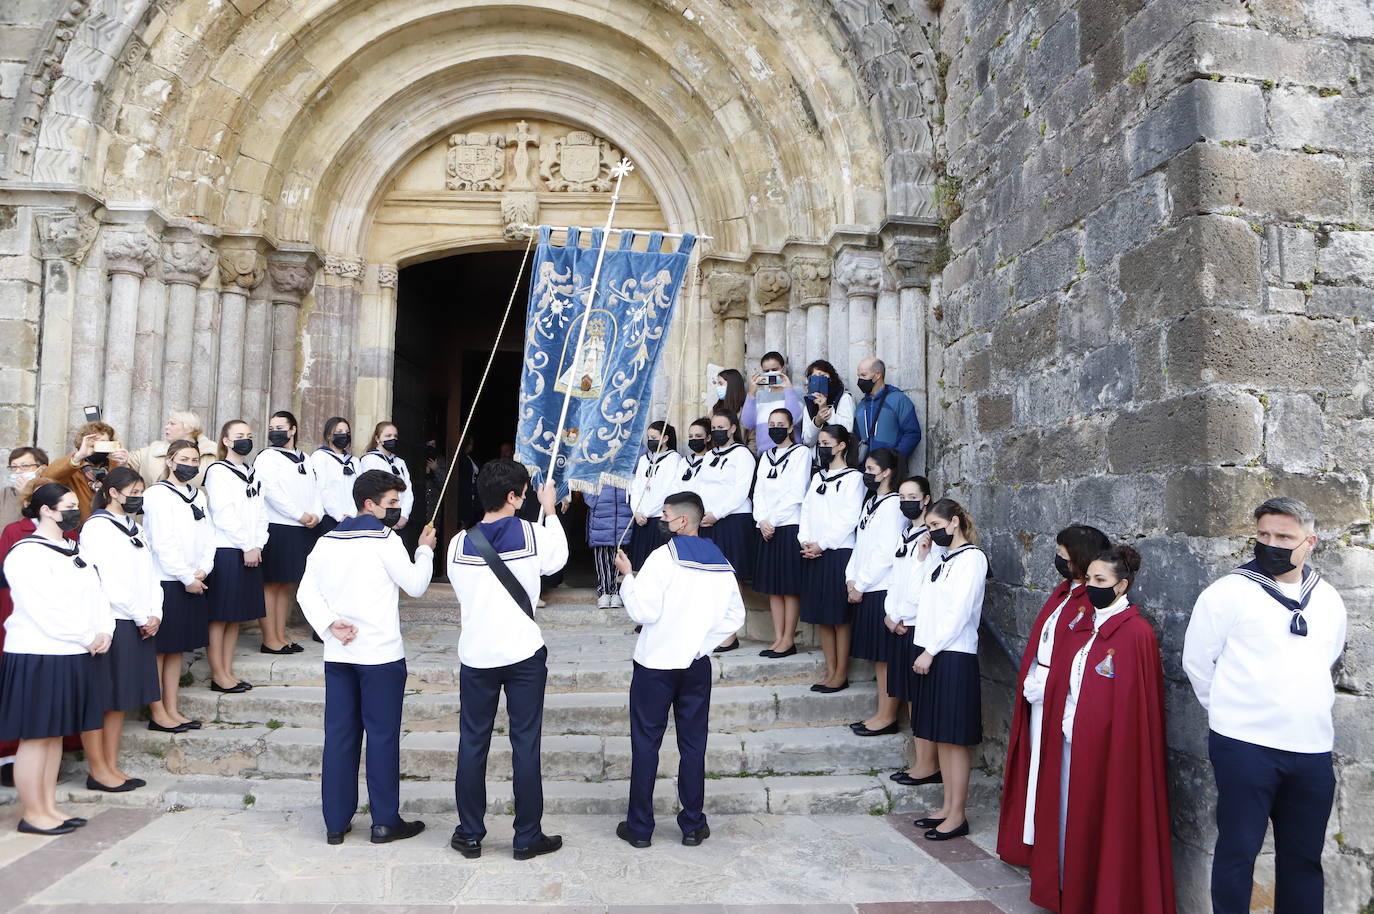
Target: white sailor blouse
723	479
880	528
176	521
656	477
289	486
336	474
238	510
780	482
830	511
118	549
382	460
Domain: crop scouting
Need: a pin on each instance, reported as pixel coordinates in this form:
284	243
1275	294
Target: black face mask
865	385
393	517
912	509
1273	560
343	439
1101	597
825	455
133	504
871	481
70	520
664	528
242	446
185	472
779	435
719	436
277	437
652	444
1061	565
941	537
98	459
391	444
696	444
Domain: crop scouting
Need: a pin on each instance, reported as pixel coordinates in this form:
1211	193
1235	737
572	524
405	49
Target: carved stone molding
388	275
290	281
130	252
241	268
44	69
771	285
66	235
811	275
578	162
858	273
518	208
344	267
909	251
728	293
187	262
476	161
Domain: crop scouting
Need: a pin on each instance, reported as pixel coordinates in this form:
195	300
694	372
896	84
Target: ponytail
116	479
949	509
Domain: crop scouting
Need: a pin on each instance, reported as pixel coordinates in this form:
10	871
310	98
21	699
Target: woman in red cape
1071	613
1110	696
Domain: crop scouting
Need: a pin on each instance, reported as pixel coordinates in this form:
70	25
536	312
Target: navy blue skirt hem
283	558
185	620
871	639
235	590
125	676
643	541
47	695
825	593
902	682
737	537
949	704
778	567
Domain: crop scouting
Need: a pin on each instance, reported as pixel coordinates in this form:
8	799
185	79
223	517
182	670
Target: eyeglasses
22	467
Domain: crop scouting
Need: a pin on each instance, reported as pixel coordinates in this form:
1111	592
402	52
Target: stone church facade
1119	252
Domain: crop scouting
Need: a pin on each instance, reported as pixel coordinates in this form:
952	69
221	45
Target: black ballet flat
63	829
158	728
830	690
135	783
638	629
857	725
768	652
247	686
936	835
235	689
778	655
279	651
816	687
75	822
93	784
928	822
726	647
193	725
864	731
295	648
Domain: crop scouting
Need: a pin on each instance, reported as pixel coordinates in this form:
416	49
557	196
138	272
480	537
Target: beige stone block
20	267
19	300
17	386
16	423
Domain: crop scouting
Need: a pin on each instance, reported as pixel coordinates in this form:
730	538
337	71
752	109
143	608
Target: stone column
810	272
902	329
859	274
144	420
64	238
240	271
327	378
129	255
186	262
771	288
205	352
728	292
257	355
292	277
377	352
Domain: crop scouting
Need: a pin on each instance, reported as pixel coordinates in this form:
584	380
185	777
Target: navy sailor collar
1297	625
698	554
511	537
359	526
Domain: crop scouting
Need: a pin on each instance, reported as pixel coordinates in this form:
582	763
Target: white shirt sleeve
643	591
272	468
965	589
730	622
552	544
843	412
412	577
229	507
327	470
1202	644
310	594
32	575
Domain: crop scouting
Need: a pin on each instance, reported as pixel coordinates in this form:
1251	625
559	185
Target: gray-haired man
1259	650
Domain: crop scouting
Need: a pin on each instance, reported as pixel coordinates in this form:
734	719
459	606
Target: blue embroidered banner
609	381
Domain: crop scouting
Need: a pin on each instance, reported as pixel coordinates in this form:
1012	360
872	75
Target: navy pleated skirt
283	558
45	695
948	707
737	537
871	639
824	591
902	683
185	620
235	590
643	541
124	678
778	568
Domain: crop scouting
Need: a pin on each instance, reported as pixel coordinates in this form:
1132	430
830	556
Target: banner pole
619	171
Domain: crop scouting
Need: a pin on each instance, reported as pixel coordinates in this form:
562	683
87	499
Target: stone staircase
774	747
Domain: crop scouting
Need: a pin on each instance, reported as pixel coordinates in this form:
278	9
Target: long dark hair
735	392
729	415
45	496
949	509
290	420
840	433
1083	544
117	478
836	385
888	459
668	432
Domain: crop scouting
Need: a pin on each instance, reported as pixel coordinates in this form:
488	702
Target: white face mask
19	480
720	391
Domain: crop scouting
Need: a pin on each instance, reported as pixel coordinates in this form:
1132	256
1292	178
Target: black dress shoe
75	822
768	652
135	783
857	725
816	687
93	784
829	690
470	848
7	774
63	829
284	649
547	844
724	648
385	834
247	686
864	731
336	837
778	655
234	689
622	831
927	822
694	838
193	725
297	649
906	780
158	728
936	835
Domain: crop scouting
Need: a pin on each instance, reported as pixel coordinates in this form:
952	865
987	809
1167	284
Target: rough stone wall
1157	313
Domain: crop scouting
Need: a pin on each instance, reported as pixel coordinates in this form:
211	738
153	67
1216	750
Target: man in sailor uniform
672	662
349	595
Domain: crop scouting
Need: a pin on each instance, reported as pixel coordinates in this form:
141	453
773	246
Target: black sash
346	463
131	534
871	508
499	568
1297	625
297	459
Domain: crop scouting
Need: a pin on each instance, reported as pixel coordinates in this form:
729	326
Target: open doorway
448	312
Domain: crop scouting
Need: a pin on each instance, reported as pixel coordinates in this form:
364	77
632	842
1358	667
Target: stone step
295	752
565	608
797	795
733	707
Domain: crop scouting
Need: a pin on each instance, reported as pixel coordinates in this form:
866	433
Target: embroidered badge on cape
1108	666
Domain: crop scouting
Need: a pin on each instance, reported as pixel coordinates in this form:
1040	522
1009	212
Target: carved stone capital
344	267
187	262
387	275
66	235
240	270
130	252
728	293
290	281
909	251
859	274
812	278
771	285
518	208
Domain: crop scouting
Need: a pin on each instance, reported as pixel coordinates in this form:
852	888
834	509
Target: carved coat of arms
578	162
476	161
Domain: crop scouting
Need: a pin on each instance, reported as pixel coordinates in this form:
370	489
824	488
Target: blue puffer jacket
608	514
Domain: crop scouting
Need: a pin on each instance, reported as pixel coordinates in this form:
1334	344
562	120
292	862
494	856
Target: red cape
1117	854
1015	773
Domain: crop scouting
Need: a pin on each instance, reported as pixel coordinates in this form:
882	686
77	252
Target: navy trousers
1256	785
362	698
479	691
652	693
